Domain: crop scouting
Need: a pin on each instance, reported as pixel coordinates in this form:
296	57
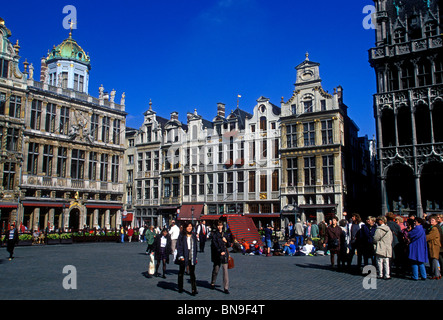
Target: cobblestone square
118	271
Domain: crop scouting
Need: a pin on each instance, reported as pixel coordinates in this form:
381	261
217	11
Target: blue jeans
123	237
298	241
418	267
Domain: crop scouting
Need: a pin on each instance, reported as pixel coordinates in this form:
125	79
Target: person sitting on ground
289	248
306	250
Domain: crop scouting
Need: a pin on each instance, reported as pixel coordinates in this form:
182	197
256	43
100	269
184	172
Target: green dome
68	50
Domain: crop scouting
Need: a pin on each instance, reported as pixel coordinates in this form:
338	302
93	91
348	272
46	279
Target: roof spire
71	25
307	56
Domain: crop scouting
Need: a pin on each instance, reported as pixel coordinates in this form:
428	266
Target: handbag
230	262
151	264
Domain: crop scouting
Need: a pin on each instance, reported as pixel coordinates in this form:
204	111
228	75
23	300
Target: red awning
8	205
128	217
103	206
186	212
44	204
211	217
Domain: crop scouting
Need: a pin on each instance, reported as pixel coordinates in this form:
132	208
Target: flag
239	96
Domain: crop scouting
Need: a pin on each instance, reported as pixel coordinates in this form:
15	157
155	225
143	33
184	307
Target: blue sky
191	54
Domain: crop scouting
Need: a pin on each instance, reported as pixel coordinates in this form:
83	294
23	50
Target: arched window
263	123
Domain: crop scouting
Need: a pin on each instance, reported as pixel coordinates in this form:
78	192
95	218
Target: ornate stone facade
408	106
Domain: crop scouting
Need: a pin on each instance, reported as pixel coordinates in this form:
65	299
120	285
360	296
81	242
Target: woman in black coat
220	255
162	250
187	256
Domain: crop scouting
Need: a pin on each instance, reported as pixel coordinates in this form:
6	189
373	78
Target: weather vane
71	26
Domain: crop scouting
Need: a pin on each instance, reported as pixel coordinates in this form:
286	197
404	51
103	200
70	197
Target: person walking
11	238
434	244
174	231
220	256
418	249
187	256
122	234
130	233
162	250
383	248
202	235
332	239
150	238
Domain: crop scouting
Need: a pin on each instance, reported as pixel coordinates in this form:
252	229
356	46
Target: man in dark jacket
11	238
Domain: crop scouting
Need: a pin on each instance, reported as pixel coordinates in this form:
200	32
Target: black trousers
181	273
10	248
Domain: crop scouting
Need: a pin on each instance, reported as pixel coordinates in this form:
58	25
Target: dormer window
308	106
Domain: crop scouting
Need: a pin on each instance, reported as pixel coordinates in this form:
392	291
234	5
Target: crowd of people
389	243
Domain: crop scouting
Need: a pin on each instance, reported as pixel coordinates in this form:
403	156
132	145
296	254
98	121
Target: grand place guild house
69	161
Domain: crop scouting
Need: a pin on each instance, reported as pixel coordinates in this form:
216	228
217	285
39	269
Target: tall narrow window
407	76
326	132
4	65
93	162
8	175
167	187
12	139
263	182
62	158
15	104
33	154
275	180
240	182
36	113
114	168
310	171
292	170
175	187
105	129
291	136
47	160
104	163
94	126
263	123
439	70
51	114
328	170
64	120
251	181
116	132
309	133
77	164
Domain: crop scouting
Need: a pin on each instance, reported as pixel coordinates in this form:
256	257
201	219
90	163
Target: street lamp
192	214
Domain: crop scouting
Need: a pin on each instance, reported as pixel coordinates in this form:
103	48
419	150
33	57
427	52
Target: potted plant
24	239
52	238
78	237
66	238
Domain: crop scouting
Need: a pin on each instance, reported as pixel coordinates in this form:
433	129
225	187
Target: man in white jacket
383	248
174	232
